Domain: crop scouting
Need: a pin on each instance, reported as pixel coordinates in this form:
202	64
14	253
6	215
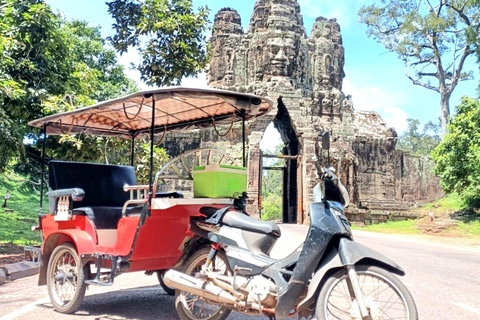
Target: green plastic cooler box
219	181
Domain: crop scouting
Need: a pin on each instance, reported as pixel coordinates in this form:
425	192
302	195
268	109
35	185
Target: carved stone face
281	54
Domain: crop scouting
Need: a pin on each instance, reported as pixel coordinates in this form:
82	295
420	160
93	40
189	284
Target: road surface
444	281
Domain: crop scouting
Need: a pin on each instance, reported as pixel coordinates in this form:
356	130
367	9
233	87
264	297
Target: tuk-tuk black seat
103	186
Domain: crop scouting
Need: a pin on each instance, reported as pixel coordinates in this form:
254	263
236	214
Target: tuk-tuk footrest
98	276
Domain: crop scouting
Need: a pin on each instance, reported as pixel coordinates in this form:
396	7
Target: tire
165	288
207	311
66	294
336	302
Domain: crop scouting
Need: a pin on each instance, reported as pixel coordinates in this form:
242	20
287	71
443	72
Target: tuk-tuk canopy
176	108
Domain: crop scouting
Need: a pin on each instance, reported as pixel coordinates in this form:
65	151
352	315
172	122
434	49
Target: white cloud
386	103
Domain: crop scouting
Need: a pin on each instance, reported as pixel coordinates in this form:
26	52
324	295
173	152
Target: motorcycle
328	277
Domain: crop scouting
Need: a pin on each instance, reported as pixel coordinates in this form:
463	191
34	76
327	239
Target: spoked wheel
165	288
192	307
386	297
65	279
180	167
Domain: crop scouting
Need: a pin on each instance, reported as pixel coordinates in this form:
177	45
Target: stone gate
303	76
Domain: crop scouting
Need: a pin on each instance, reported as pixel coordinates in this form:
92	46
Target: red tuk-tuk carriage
100	222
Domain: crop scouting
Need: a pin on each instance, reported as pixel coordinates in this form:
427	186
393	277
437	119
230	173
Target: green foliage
419	143
142	161
168	35
272	207
457	157
433	38
49	65
272	188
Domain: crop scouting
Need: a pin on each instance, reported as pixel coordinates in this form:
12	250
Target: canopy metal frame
236	107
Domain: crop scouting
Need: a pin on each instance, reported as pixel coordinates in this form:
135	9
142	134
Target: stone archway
283	123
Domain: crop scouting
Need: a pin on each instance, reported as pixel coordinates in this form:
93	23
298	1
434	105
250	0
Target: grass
15	227
468	229
397	227
449	203
443	209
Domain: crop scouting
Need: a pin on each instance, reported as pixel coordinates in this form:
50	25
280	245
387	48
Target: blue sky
374	77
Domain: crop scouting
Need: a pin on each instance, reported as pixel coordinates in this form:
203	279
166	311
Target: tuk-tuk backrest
103	184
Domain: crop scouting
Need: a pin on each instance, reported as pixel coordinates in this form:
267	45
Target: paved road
444	281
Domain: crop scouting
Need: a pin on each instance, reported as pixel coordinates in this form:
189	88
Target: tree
47	66
416	142
433	38
272	187
168	35
457	157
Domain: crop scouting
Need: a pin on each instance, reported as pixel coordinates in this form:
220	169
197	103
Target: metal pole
260	182
133	150
244	138
40	210
150	187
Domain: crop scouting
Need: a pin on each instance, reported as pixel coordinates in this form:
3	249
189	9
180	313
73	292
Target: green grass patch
16	226
400	227
469	229
450	202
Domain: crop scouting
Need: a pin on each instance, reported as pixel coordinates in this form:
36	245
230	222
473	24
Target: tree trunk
445	112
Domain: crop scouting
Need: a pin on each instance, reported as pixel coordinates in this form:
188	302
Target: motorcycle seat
240	220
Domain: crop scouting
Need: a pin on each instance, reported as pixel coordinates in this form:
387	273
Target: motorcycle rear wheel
385	296
165	288
192	307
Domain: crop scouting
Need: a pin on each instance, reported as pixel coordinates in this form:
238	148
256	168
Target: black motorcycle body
259	284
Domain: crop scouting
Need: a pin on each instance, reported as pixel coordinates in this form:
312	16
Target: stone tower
304	76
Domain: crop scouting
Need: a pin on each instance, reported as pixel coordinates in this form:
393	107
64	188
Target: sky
374	77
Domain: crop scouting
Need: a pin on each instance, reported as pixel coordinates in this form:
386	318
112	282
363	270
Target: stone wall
304	76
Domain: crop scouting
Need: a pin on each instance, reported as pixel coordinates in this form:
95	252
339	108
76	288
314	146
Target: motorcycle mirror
326	140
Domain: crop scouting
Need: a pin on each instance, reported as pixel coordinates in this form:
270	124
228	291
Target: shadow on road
140	303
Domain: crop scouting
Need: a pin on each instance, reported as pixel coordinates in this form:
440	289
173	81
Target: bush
457	157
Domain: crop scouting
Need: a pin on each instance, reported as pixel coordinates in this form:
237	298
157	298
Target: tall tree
434	38
168	34
417	141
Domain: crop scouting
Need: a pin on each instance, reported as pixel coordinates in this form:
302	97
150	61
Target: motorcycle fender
352	252
348	253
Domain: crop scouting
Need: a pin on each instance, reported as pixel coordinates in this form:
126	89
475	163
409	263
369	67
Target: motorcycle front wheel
386	297
192	307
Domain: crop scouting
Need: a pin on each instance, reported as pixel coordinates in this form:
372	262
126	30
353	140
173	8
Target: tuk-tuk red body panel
78	230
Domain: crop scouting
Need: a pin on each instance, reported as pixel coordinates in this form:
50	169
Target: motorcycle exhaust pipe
184	282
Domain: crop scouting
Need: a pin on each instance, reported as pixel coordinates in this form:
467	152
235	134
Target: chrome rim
64	278
197	307
382	298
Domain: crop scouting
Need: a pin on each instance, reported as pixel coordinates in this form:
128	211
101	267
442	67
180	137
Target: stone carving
304	75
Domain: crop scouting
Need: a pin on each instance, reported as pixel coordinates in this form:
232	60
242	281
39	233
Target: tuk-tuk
100	222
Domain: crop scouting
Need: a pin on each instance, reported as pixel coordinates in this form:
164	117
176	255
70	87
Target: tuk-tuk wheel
65	279
165	288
